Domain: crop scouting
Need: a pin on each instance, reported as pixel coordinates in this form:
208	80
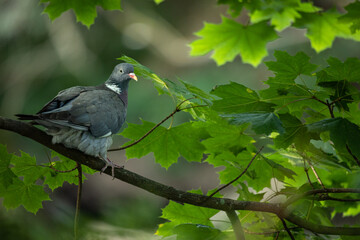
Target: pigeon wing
62	98
101	110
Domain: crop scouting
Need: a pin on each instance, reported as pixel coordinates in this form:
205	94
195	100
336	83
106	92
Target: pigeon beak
133	76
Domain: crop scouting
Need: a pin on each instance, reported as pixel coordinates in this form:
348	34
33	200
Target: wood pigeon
86	117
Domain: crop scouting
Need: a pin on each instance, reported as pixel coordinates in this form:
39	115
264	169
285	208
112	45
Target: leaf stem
242	173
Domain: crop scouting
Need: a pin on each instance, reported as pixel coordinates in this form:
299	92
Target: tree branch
169	192
236	224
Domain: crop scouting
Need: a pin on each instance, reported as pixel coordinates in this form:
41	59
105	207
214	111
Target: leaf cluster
307	117
231	38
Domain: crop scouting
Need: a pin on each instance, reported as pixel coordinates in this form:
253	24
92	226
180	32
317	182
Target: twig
314	97
312	168
306	169
354	157
78	200
331	109
176	110
297	197
168	192
268	233
236	224
242	173
316	174
325	198
286	228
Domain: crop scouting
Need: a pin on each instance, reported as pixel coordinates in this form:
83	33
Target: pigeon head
120	77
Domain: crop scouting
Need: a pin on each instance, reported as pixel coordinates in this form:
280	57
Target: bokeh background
38	58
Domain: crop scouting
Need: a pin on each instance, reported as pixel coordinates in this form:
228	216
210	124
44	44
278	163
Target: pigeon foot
109	163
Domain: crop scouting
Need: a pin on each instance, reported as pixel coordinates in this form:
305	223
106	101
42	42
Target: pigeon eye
121	71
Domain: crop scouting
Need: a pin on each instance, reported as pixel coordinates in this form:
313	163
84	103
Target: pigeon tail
27	117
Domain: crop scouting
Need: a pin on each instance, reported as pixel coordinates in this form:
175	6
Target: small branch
297	197
312	168
331	109
287	229
168	192
306	169
354	157
314	97
268	233
316	174
242	173
236	224
78	200
325	198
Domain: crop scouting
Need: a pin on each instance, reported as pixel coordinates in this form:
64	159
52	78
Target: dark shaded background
39	58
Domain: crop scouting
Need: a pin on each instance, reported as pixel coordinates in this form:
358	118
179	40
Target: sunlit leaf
85	11
230	39
282	12
323	28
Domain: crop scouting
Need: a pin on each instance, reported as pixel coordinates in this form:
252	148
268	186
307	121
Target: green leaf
287	68
85	11
282	12
166	144
224	136
352	16
197	232
337	70
279	170
237	98
342	133
295	132
323	28
256	176
291	89
6	175
25	166
166	86
260	122
337	78
30	196
230	39
186	213
55	179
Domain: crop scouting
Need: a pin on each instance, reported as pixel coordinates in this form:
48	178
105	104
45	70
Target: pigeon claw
109	163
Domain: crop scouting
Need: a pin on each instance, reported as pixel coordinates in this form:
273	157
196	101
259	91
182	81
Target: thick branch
165	191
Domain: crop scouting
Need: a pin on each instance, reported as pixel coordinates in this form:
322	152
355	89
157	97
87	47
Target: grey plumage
85	118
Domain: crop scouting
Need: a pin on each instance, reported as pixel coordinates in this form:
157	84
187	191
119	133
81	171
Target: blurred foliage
39	58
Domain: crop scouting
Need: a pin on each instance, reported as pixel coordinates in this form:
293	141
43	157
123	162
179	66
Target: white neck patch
113	88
